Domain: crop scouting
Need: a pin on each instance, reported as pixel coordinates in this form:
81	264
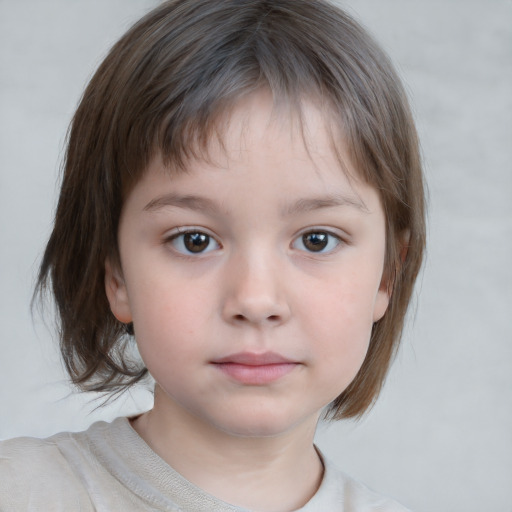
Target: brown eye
317	241
194	242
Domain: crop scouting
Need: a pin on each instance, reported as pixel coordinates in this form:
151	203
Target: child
243	197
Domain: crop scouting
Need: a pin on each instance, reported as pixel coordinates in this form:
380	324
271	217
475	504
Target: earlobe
388	282
117	294
383	296
381	301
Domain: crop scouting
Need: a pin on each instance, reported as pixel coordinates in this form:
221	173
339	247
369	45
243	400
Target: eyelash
178	241
329	236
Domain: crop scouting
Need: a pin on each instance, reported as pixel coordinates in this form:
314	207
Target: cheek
168	320
340	355
344	306
343	342
340	326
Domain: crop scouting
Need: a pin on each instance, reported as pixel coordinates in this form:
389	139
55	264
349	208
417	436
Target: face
252	280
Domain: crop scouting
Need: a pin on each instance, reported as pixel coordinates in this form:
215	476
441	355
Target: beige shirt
109	467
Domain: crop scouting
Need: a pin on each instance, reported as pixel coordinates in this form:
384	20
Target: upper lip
254	359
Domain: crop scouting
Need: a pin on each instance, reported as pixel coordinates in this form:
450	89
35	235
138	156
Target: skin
256	285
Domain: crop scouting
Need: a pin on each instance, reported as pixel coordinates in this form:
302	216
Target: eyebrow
303	205
202	204
317	203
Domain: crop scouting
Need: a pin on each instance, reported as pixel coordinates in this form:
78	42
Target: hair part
162	89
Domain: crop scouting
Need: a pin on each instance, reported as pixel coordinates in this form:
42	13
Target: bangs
178	111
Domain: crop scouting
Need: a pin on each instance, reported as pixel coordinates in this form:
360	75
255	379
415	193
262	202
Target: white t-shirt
110	468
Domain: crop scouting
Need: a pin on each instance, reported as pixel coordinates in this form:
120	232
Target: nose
255	294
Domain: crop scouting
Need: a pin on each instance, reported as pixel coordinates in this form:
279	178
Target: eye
193	242
317	241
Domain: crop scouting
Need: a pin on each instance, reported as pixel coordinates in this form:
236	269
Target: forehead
262	152
260	125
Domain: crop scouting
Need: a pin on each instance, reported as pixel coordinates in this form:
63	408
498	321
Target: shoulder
35	473
340	492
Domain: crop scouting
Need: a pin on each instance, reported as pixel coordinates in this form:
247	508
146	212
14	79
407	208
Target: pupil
315	241
196	242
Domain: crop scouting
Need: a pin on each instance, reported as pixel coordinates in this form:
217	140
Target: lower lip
256	374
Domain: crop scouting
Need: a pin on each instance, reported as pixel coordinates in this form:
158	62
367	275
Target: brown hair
161	89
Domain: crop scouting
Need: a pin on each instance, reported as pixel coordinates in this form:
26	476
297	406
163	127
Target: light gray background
440	438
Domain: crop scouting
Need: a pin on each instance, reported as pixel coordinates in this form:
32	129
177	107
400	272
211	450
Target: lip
255	369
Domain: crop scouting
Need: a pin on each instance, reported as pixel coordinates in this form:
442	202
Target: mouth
255	369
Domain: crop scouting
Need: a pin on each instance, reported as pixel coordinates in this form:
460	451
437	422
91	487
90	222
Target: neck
278	472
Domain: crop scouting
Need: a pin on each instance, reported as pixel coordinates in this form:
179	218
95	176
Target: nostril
243	318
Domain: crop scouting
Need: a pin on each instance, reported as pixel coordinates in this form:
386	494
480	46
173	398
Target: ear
388	282
117	293
382	299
